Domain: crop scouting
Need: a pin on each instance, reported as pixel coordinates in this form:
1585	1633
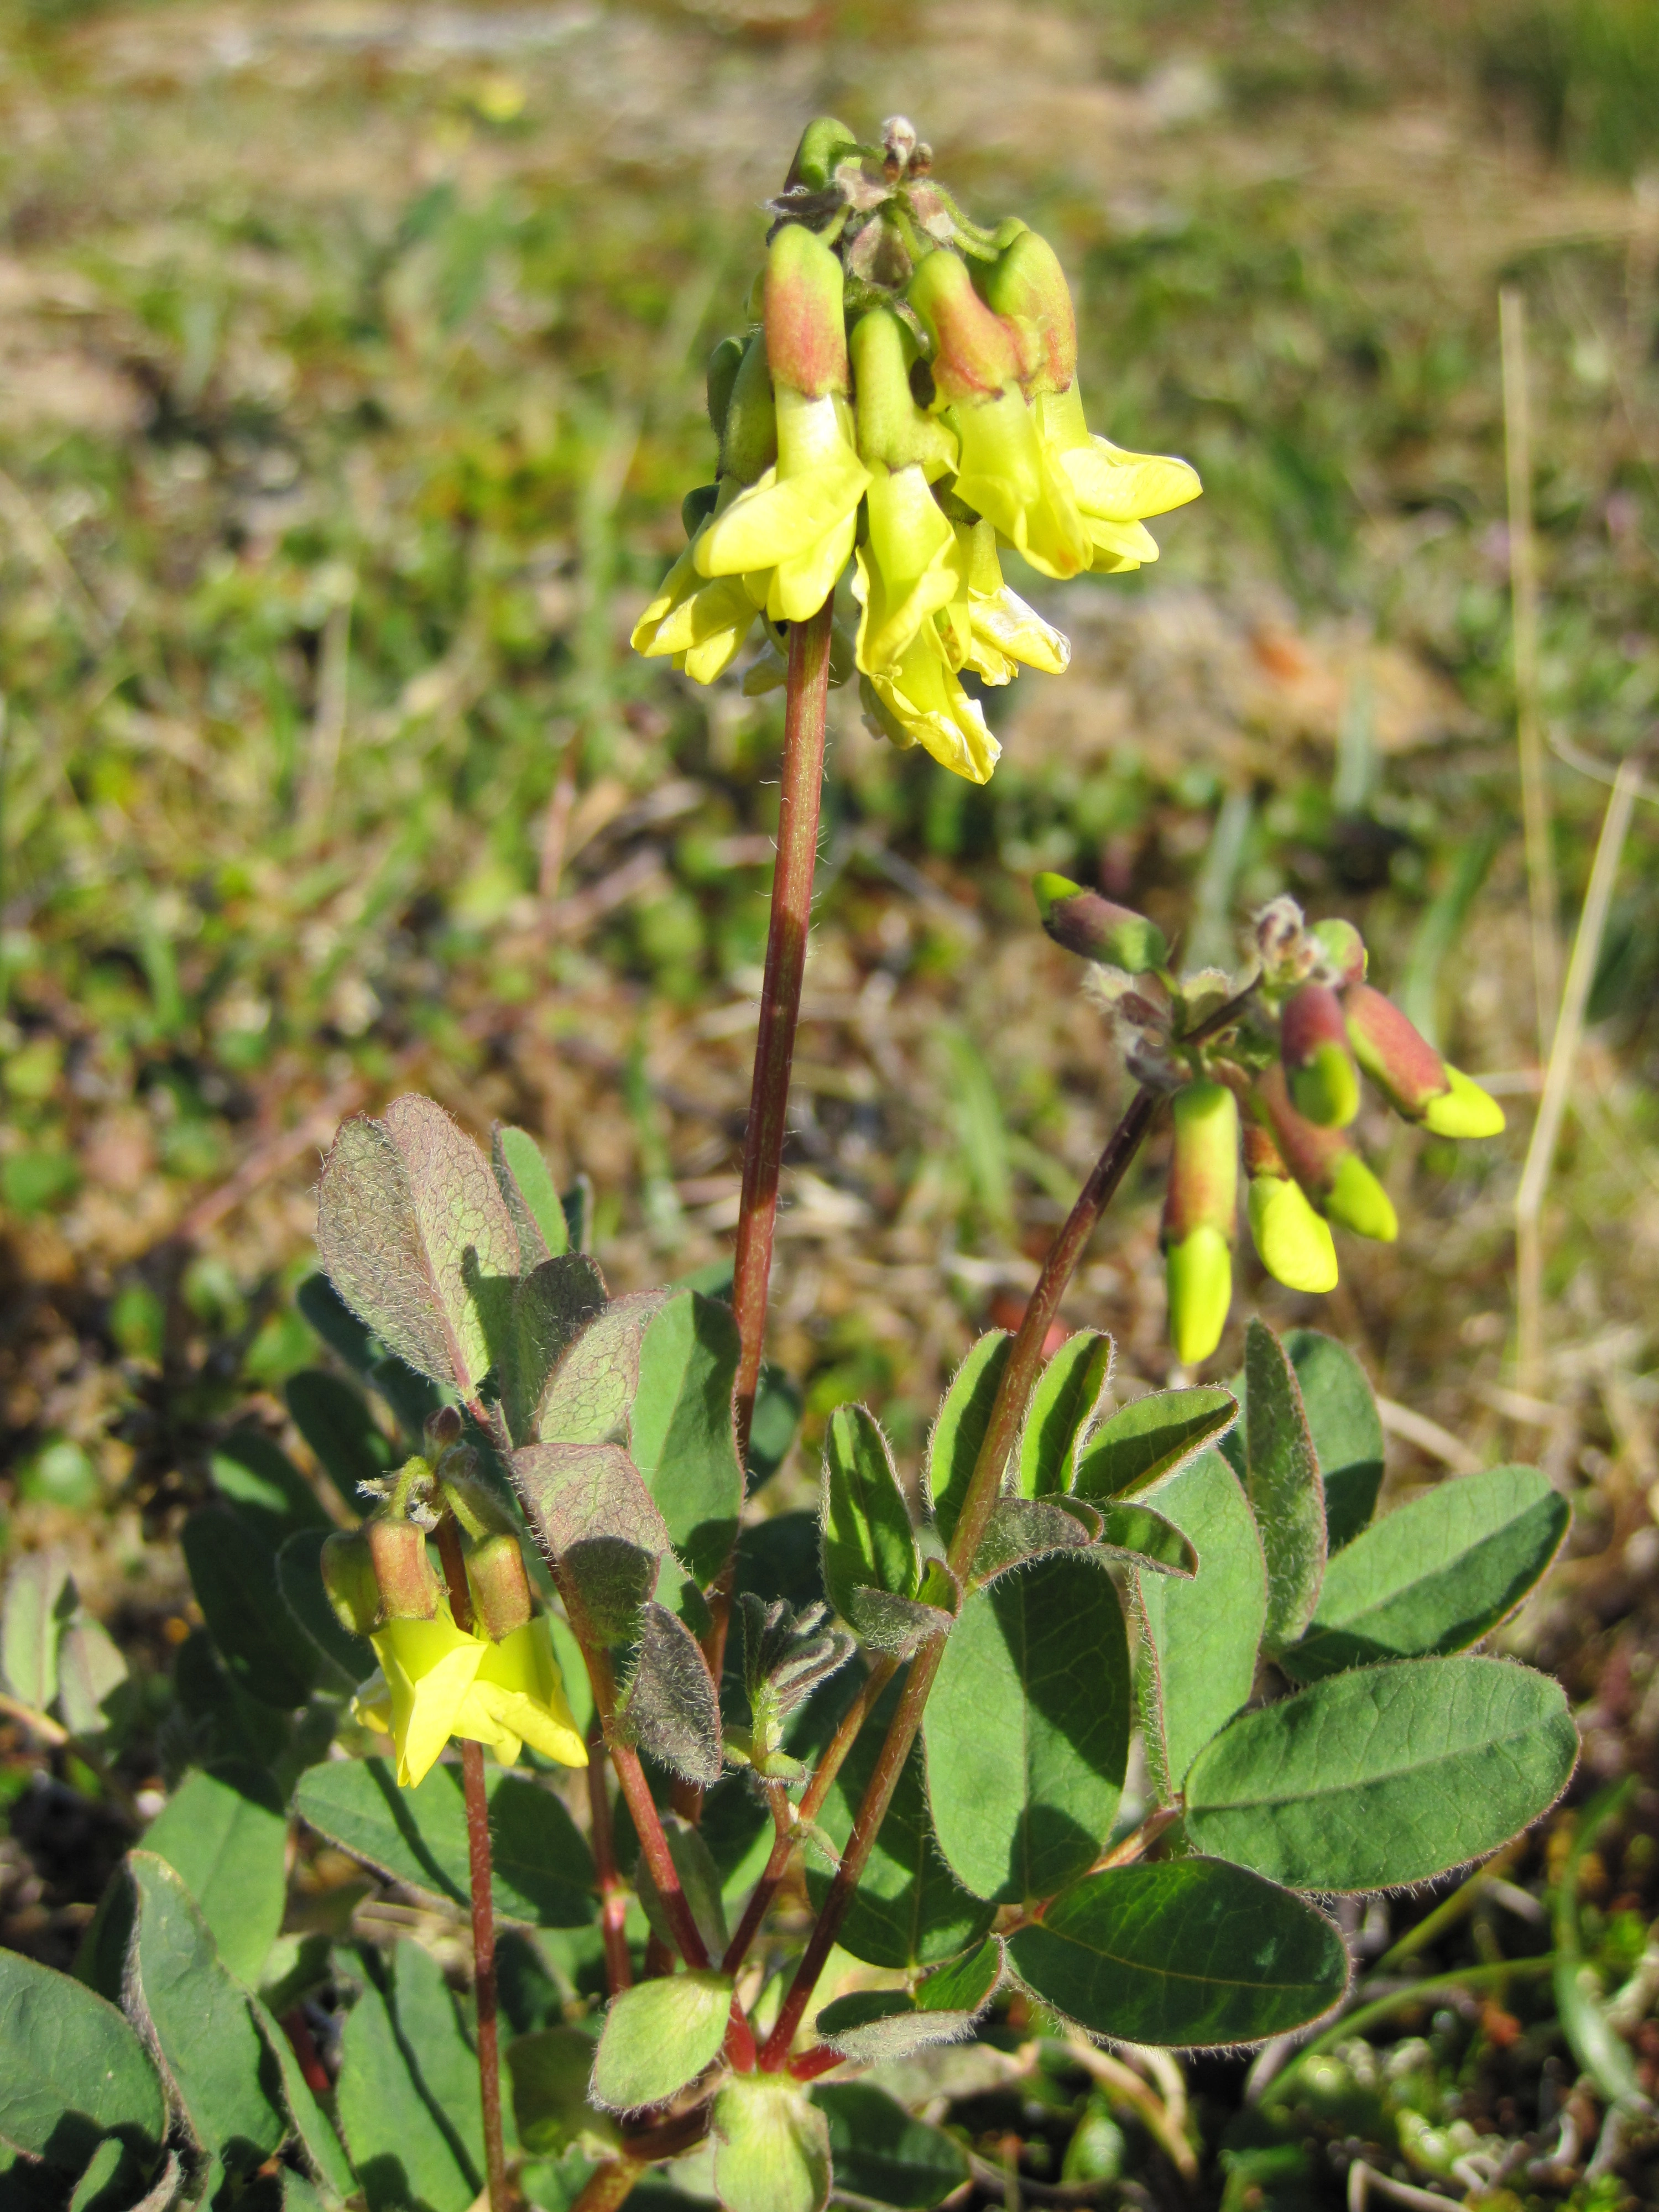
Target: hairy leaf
1347	1428
672	1707
1187	1953
874	2026
607	1583
577	1493
1064	1407
550	2072
1152	1438
879	2152
897	1627
531	1195
336	1421
550	1308
1019	1530
234	1574
953	1447
1027	1730
868	1542
1201	1637
658	2036
1436	1574
1147	1537
74	2070
224	1833
771	2146
1388	1775
1285	1489
591	1390
683	1435
39	1600
407	2091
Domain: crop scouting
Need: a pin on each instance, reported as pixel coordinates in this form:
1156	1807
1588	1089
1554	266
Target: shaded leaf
548	1309
408	2090
593	1387
897	1627
233	1575
681	1431
953	1447
318	2137
337	1423
74	2071
699	1879
1284	1487
868	1542
880	2151
607	1583
1346	1426
1027	1730
1147	1537
1018	1530
531	1196
1384	1776
672	1707
658	2036
1187	1953
579	1492
550	2071
1152	1438
771	2146
1063	1409
342	1659
327	1313
1201	1637
772	1429
92	1677
872	2026
224	1833
1436	1574
257	1476
39	1601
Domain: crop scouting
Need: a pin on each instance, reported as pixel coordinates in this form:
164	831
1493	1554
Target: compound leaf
953	1447
1063	1407
1385	1776
1152	1438
1286	1493
74	2071
1190	1952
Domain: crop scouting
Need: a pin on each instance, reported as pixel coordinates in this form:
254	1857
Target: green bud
1293	1243
723	365
976	355
403	1574
502	1601
1343	947
1465	1110
1026	285
1203	1186
697	506
824	145
348	1569
1091	926
1199	1274
771	2145
749	439
805	326
1313	1043
1358	1201
892	429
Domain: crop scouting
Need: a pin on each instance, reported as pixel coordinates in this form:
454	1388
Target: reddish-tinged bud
976	355
1402	1064
1261	1155
348	1570
805	329
443	1429
501	1589
1324	1163
1091	926
1343	948
1313	1043
408	1587
1026	285
1203	1188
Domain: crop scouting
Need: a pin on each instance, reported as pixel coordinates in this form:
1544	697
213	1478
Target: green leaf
581	1493
39	1601
1385	1776
771	2146
671	1705
1149	1538
699	1879
1202	1636
1436	1574
592	1388
234	1574
954	1446
550	1308
876	2025
92	1678
879	2151
1027	1730
407	2091
198	2021
260	1481
111	2181
1063	1409
908	1910
532	1196
776	1418
576	1204
868	1542
319	2141
682	1433
1346	1428
338	1327
416	1238
658	2036
342	1660
1151	1439
336	1422
1284	1487
224	1834
897	1627
550	2072
74	2070
1018	1530
544	1871
1187	1953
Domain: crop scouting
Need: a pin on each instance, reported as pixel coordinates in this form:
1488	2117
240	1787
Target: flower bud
1293	1243
1343	947
1313	1044
1324	1163
1465	1110
443	1429
403	1575
501	1588
697	506
1200	1210
824	145
348	1570
976	353
1085	923
892	429
723	365
1410	1074
1026	286
806	328
749	432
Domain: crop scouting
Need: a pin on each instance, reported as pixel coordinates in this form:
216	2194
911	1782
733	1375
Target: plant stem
786	964
1018	1379
640	1804
613	1899
483	1908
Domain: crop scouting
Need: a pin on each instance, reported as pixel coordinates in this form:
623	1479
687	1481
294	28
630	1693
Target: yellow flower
919	700
1002	629
1113	489
702	624
436	1680
909	571
800	520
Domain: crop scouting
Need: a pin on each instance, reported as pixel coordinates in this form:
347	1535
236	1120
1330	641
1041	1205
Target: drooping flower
918	700
1410	1074
1292	1242
436	1680
1003	630
1200	1209
703	624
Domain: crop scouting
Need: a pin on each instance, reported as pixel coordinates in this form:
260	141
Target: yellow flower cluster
436	1680
907	400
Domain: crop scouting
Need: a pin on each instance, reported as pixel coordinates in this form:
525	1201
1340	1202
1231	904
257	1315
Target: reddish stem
297	2028
613	1896
786	965
820	2059
483	1912
1018	1379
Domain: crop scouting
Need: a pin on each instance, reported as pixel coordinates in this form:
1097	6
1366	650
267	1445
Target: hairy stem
483	1908
613	1898
640	1804
779	1011
1018	1378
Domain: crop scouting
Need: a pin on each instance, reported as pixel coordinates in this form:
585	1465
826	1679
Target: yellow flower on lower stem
1002	628
1114	490
919	700
437	1681
796	525
702	624
909	569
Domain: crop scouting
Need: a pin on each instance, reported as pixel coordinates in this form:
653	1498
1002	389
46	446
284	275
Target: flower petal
429	1667
910	569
